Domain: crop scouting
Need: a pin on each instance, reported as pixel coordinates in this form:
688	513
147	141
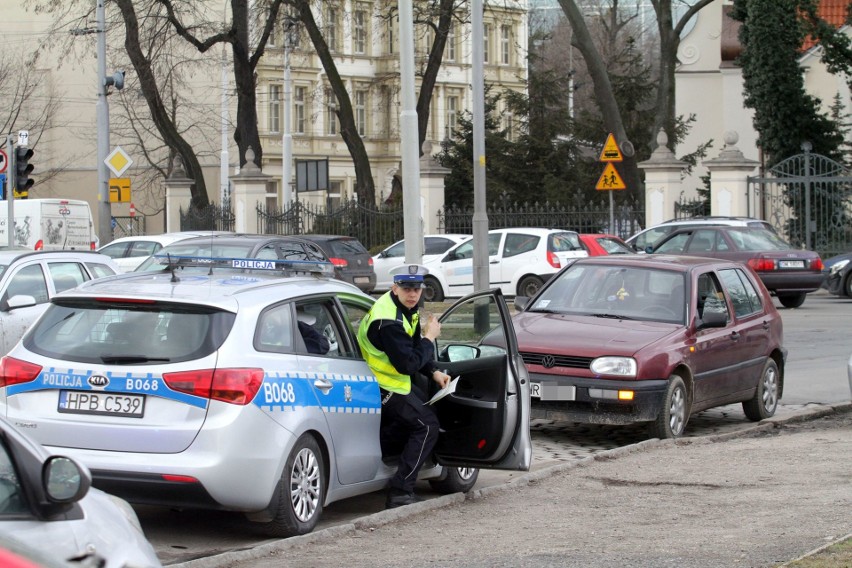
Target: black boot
398	498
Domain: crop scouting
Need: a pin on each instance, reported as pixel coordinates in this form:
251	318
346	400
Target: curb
370	522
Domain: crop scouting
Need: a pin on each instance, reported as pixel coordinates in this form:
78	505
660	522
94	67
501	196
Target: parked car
157	382
130	252
520	260
394	255
352	262
186	255
652	235
598	244
788	273
650	339
47	504
838	275
29	279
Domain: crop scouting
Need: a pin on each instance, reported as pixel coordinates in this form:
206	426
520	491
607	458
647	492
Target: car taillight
339	262
370	261
234	386
14	371
816	264
761	264
39	245
92	245
553	260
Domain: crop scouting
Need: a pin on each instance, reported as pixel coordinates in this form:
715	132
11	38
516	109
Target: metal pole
287	141
104	207
413	228
807	149
611	213
10	196
224	158
481	279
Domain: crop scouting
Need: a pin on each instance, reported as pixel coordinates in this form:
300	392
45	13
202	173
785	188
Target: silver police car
198	389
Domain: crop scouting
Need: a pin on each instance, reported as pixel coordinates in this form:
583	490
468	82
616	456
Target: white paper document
449	389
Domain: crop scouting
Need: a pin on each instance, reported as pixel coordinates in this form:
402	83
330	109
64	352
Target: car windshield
614	291
128	333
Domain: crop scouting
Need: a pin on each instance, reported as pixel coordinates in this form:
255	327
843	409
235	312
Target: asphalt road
817	339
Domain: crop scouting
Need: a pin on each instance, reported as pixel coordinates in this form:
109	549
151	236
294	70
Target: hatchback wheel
765	400
671	422
457	480
792	300
301	491
432	291
529	286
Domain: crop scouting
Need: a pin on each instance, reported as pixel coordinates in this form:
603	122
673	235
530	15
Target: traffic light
23	168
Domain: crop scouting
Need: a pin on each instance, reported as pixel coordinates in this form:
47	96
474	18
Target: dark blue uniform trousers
409	428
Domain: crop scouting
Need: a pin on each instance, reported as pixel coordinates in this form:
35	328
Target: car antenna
172	268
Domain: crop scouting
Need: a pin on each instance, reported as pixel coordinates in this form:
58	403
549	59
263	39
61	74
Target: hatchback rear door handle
735	335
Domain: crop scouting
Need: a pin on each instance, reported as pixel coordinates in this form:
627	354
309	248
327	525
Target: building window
275	108
334	195
451	44
392	34
505	44
361	112
451	120
331	114
486	45
360	30
299	108
331	27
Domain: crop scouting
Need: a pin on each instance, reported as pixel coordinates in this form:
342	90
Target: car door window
11	495
674	245
29	281
66	275
354	313
493	244
436	245
466	250
274	331
710	296
268	253
316	321
518	244
115	250
143	248
702	241
399	250
99	270
741	297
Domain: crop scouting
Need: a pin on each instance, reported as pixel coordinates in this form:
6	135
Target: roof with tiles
832	11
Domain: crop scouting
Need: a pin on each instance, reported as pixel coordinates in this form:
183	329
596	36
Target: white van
49	224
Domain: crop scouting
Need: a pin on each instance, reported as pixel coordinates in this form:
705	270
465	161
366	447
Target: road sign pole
10	197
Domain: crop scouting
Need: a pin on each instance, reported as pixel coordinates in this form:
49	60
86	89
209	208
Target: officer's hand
441	378
432	329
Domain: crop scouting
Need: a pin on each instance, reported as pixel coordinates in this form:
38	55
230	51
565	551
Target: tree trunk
246	133
433	66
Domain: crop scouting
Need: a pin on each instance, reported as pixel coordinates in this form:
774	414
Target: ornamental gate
807	199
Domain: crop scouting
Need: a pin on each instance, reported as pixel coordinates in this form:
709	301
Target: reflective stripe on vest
389	378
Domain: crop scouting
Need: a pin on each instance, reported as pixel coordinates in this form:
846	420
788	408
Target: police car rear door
485	421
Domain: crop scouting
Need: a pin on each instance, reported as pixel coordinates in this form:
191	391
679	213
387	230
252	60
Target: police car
196	389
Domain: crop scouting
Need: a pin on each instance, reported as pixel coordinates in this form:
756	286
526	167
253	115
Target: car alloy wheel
765	400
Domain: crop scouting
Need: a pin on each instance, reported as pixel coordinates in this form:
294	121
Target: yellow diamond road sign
118	161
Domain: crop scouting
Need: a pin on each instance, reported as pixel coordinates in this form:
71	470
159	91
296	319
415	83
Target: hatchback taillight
816	264
370	261
14	371
761	264
234	386
339	262
553	260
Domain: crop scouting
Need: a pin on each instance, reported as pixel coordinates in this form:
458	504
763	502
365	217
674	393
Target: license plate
362	279
791	264
103	403
548	391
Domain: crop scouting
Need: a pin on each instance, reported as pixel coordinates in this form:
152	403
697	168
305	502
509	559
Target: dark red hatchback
651	338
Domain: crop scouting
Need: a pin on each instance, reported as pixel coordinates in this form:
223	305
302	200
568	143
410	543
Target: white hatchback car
198	390
520	260
394	255
130	252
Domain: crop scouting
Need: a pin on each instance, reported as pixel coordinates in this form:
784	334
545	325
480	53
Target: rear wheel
301	491
765	400
792	300
457	480
671	422
432	291
529	286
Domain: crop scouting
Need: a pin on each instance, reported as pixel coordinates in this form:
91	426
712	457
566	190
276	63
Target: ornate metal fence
128	226
211	218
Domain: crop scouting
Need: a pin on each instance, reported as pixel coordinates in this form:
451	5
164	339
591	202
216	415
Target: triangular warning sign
610	152
610	179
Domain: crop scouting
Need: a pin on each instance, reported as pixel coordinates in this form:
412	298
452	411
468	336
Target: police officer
392	344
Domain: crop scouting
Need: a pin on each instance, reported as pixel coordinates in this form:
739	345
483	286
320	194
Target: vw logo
98	381
548	361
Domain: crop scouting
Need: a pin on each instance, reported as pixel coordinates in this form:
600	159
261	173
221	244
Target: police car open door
485	421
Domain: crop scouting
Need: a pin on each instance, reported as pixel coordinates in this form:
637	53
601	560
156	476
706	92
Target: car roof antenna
172	268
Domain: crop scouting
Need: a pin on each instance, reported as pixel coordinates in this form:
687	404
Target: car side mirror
713	319
459	352
649	249
20	301
521	302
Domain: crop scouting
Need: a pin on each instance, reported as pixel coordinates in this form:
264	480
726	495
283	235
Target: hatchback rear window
128	334
343	247
564	242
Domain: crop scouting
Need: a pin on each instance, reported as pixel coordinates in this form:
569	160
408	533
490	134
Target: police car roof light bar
288	267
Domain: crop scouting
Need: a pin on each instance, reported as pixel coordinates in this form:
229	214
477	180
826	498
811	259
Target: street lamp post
290	32
102	110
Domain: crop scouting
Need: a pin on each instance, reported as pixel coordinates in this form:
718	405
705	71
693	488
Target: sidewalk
753	499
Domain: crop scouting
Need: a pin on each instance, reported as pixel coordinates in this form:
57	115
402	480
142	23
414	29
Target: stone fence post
249	192
663	183
178	196
431	190
728	179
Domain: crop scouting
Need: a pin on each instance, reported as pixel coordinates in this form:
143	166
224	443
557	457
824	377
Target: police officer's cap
409	275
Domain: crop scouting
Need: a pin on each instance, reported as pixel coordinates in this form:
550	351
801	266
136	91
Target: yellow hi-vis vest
389	378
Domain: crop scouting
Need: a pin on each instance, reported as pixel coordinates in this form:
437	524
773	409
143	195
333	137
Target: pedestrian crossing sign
610	179
611	151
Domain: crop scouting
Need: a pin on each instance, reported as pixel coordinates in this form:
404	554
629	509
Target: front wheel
847	285
301	491
671	422
529	286
457	480
432	291
792	300
765	400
